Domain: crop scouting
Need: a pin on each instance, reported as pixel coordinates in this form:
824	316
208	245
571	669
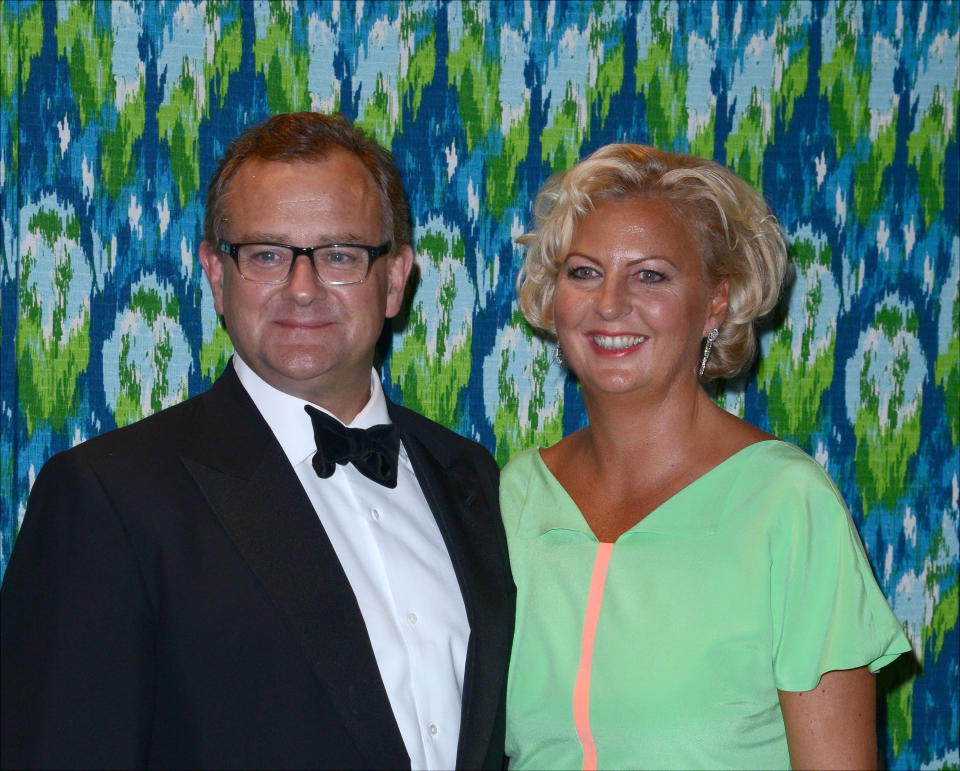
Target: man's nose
303	283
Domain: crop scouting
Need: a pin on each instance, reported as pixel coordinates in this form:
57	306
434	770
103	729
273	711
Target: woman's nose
612	300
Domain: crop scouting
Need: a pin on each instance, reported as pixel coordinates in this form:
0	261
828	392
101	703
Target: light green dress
667	648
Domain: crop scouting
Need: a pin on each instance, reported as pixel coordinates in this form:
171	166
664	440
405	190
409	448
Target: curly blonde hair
742	242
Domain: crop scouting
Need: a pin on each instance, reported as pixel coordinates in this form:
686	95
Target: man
240	581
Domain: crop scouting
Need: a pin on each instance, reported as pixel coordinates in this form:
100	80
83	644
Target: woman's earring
558	356
707	348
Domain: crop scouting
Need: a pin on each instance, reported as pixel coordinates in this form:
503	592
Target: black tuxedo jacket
172	600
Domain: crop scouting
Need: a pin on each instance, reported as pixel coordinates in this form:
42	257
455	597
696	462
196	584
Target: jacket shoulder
169	428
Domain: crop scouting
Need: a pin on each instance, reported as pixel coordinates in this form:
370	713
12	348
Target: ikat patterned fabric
844	114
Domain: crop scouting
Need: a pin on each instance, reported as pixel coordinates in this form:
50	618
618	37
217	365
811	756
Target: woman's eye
650	276
581	272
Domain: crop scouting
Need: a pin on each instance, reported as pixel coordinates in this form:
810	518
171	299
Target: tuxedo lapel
454	492
255	493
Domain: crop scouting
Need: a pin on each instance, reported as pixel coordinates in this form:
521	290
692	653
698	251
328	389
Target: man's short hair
311	136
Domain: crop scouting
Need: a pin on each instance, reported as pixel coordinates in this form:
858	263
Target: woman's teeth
617	342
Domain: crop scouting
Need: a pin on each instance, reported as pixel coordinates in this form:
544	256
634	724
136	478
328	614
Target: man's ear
213	268
719	302
398	271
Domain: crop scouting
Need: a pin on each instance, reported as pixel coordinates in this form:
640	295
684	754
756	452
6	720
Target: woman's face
632	303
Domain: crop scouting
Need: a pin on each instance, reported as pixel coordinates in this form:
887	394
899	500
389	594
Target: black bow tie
373	451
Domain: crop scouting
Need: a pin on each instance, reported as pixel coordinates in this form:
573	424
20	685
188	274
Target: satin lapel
453	491
261	504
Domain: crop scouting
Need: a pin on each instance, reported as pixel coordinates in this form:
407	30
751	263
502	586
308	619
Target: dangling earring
558	356
707	348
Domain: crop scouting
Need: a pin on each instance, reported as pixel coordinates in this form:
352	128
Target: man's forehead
350	173
337	184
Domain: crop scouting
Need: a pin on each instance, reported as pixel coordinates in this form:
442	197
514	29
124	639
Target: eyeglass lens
333	264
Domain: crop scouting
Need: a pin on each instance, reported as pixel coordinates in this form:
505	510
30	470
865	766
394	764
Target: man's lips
302	323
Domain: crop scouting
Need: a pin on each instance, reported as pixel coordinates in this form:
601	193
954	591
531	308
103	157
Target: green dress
666	649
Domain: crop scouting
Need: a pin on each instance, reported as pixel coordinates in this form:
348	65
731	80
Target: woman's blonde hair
742	242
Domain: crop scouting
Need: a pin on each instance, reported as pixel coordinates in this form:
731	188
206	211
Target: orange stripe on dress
581	686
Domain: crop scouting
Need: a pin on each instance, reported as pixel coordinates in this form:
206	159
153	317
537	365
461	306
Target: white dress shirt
393	555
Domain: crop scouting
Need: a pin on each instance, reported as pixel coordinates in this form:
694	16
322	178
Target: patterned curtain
844	114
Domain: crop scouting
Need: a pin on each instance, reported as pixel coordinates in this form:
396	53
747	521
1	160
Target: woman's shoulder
787	488
520	464
776	460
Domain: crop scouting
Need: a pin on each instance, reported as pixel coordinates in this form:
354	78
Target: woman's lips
615	344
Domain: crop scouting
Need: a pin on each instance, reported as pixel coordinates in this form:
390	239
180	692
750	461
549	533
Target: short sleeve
828	611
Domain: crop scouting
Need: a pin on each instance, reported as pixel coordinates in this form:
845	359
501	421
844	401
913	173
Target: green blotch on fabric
927	150
944	621
152	306
376	119
215	353
846	83
434	383
890	320
796	385
162	353
664	82
158	312
560	143
502	183
20	31
515	431
117	162
703	141
476	76
869	189
745	145
422	67
285	68
900	715
227	49
128	400
884	449
49	363
792	87
89	51
947	375
178	121
51	225
609	81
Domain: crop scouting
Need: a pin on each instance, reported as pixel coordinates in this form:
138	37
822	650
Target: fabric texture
749	580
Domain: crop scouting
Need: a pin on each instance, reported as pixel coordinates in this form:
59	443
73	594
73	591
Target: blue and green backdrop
844	114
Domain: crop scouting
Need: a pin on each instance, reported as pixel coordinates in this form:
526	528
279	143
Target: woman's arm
834	725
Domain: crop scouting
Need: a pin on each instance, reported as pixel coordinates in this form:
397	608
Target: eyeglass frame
373	254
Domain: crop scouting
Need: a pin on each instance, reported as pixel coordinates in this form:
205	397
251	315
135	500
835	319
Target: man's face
303	337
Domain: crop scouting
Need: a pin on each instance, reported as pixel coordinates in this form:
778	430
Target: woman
691	590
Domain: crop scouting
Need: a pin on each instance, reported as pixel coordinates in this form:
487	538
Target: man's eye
267	257
341	258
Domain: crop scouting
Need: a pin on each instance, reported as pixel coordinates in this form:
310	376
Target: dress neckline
651	522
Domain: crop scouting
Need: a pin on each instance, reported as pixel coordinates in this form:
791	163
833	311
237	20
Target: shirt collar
288	420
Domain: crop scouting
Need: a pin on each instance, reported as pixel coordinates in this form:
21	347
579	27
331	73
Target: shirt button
375	514
412	618
433	729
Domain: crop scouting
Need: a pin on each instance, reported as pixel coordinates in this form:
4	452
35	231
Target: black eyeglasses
334	264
